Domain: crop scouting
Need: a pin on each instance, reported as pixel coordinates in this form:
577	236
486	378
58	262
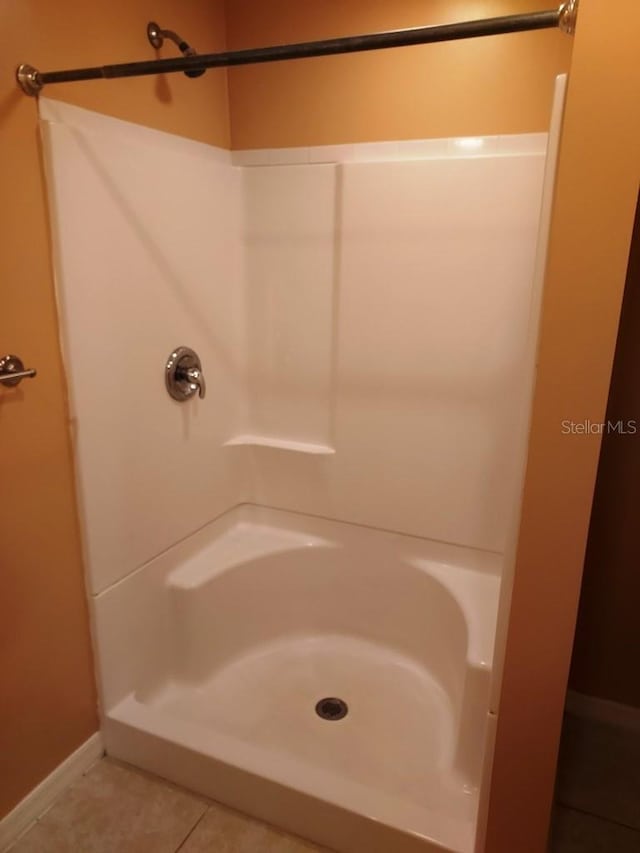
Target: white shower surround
341	383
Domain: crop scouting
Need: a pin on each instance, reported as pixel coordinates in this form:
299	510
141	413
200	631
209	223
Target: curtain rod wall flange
31	80
568	17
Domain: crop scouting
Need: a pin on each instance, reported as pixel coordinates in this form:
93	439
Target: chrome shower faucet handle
183	375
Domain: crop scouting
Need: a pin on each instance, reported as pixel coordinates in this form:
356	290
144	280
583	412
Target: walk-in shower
297	570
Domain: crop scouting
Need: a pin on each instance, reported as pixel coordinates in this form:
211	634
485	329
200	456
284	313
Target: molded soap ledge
281	444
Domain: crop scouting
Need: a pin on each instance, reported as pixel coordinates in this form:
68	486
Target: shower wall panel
433	283
146	231
361	312
289	238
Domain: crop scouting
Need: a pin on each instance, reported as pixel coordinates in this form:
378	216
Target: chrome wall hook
157	35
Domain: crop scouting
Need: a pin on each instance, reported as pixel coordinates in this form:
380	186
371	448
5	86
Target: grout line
192	830
635	829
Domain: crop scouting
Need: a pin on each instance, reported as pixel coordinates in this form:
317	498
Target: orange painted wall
605	651
595	199
501	84
47	696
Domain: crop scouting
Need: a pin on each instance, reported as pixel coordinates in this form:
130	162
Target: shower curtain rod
31	80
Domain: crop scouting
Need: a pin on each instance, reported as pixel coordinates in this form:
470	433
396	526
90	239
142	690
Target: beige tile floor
115	808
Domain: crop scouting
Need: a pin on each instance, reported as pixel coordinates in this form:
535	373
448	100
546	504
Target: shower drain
332	708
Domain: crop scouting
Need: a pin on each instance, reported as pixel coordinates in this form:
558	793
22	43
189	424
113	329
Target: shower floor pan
217	659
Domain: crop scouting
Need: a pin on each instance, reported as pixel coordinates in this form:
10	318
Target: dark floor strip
598	816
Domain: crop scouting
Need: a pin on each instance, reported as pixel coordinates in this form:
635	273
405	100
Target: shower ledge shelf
281	444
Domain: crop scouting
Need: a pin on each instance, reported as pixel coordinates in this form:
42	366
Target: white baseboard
38	801
602	710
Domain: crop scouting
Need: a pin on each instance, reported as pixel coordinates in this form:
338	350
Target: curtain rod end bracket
28	79
569	16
